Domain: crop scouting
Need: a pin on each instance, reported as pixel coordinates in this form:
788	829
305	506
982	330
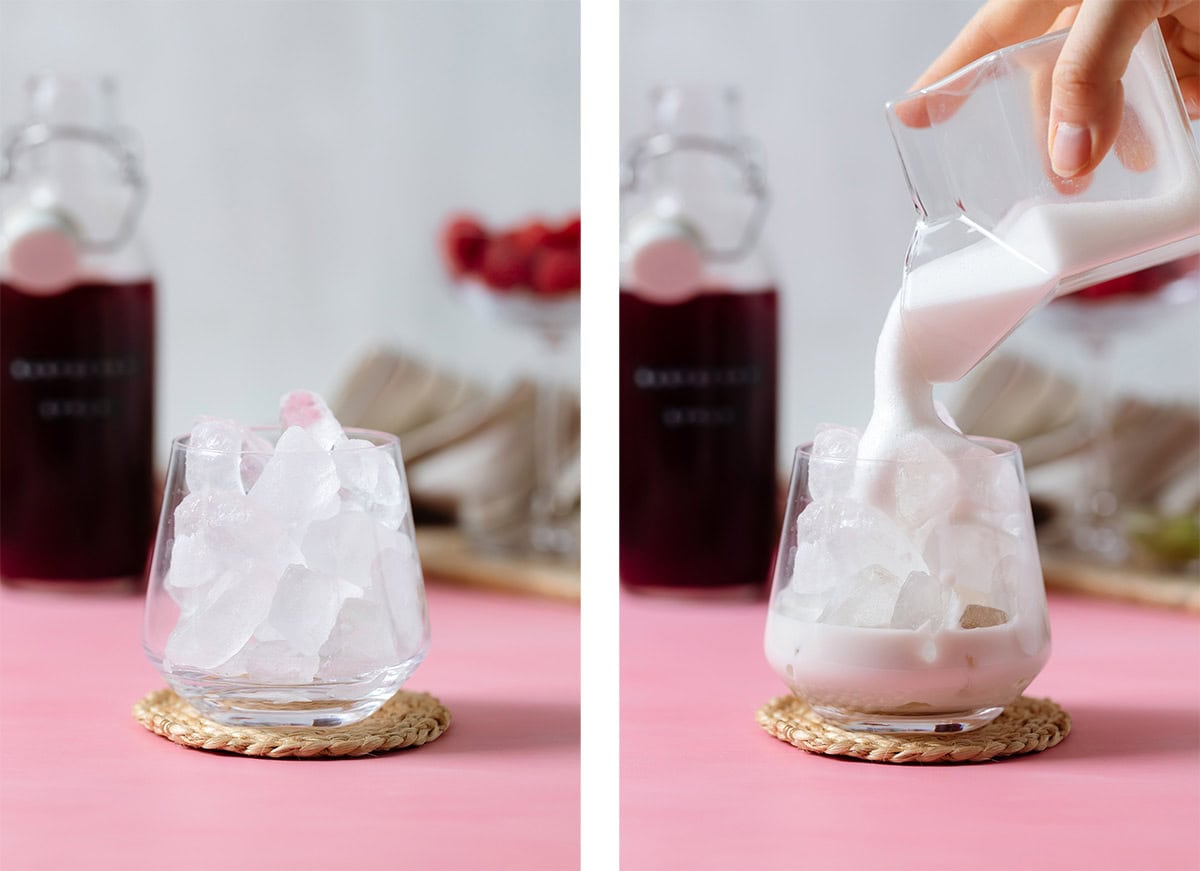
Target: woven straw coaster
1026	726
407	719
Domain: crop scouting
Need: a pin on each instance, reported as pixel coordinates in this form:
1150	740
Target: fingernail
1071	148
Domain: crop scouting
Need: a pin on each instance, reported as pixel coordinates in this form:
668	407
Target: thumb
1087	99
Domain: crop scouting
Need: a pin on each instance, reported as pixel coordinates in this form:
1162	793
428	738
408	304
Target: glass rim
379	441
1001	449
990	57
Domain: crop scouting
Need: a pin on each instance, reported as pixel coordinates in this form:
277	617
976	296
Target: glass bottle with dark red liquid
76	346
699	344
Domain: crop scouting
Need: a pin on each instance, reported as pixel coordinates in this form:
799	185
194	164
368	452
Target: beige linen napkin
469	453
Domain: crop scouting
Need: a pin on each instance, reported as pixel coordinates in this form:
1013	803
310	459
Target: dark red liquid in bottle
76	431
698	411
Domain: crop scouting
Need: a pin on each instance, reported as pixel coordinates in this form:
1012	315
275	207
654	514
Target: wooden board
1145	585
447	556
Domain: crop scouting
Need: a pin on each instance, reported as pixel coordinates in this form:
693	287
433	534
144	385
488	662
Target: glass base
236	702
909	724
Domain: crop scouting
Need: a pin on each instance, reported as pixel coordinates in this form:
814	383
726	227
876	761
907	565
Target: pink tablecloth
83	786
704	788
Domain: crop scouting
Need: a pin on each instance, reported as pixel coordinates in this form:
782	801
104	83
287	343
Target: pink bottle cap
667	258
42	247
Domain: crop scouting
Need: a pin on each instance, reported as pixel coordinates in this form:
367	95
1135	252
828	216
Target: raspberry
504	265
530	238
567	236
556	272
463	242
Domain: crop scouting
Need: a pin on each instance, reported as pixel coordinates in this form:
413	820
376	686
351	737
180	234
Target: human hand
1086	100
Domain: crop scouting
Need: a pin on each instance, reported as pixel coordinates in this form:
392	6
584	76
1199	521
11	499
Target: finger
1181	33
997	24
1040	87
1087	97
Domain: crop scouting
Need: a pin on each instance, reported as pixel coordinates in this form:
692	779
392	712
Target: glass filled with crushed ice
285	587
908	592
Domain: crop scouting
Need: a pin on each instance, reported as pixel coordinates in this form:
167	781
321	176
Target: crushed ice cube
994	487
867	600
370	480
800	605
857	535
967	554
1015	586
228	527
256	450
307	410
192	564
921	603
926	482
831	468
362	641
345	546
397	574
813	568
213	456
304	608
299	484
220	628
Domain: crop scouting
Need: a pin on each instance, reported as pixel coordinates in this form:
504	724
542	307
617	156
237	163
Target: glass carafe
698	367
994	220
77	317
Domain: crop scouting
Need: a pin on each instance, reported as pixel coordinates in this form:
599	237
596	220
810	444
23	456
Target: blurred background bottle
77	344
699	352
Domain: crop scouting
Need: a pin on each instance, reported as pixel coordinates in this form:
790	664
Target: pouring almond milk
908	593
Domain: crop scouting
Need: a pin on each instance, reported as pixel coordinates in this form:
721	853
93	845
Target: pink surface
704	787
85	787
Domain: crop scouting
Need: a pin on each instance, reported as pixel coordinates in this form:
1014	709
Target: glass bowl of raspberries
527	274
1099	526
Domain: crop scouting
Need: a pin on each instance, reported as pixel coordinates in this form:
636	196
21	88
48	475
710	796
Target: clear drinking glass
553	523
285	587
994	219
932	626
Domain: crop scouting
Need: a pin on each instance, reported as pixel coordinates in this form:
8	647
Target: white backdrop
814	77
301	158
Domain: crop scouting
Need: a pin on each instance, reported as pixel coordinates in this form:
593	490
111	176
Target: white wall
302	156
814	77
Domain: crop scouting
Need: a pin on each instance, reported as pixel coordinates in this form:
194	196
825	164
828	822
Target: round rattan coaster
407	719
1026	726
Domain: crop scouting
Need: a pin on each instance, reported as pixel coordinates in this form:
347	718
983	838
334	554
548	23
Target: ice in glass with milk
292	565
909	585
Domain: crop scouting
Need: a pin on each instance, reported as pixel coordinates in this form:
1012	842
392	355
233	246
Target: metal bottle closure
668	250
44	242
